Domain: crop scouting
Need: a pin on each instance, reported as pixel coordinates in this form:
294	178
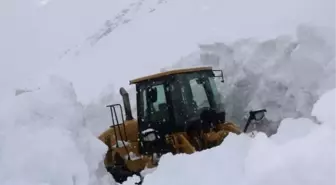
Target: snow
120	144
308	158
284	75
147	131
162	37
324	107
44	140
132	156
43	131
294	128
55	43
270	60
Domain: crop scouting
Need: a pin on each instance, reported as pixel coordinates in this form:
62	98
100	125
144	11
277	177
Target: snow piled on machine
44	140
302	152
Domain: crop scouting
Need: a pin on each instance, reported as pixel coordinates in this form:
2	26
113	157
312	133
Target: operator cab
177	101
195	98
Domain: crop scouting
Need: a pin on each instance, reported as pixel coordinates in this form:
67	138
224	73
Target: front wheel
119	174
119	171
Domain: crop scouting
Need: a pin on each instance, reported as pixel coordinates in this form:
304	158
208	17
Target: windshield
199	95
218	103
197	92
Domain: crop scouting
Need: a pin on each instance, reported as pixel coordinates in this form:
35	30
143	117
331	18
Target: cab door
154	118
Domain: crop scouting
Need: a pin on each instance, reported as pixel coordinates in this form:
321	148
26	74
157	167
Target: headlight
150	137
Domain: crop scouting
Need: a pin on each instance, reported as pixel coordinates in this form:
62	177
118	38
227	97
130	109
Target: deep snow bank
285	75
44	140
285	158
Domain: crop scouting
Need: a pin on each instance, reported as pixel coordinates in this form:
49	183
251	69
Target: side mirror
255	115
221	75
258	114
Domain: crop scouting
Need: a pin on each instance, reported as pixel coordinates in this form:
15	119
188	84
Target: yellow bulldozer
178	111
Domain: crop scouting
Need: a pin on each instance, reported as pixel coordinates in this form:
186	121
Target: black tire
120	175
119	171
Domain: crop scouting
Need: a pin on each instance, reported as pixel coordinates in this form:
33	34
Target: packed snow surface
290	157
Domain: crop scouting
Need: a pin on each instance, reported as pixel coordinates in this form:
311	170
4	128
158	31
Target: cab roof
170	72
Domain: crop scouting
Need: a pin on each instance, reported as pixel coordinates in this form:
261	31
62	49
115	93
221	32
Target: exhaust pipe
127	104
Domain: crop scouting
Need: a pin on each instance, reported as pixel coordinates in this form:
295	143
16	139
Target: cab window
154	100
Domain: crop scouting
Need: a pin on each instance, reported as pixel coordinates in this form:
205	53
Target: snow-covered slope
60	37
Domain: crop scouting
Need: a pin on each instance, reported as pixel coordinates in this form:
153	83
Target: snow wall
285	75
302	152
44	140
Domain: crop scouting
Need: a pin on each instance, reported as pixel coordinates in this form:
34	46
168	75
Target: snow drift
285	158
44	139
285	75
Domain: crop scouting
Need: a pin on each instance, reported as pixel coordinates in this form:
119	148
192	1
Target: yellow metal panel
171	72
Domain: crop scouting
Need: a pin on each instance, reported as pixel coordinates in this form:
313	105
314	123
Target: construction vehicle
178	111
